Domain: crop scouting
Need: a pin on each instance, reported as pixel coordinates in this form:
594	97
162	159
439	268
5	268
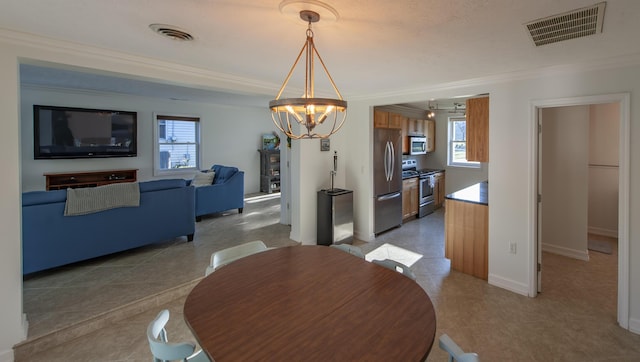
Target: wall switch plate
512	248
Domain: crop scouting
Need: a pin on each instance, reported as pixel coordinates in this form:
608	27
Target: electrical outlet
512	248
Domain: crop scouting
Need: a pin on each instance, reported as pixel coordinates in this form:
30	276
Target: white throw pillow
203	178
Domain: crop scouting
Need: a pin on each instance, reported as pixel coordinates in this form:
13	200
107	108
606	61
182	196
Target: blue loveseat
50	239
225	193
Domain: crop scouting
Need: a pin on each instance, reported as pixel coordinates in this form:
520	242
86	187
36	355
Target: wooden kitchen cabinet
466	229
430	134
416	127
409	197
396	120
382	119
478	129
438	189
405	137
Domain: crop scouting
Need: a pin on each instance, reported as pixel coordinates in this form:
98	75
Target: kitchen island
466	230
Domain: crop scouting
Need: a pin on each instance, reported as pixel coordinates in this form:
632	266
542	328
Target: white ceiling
376	47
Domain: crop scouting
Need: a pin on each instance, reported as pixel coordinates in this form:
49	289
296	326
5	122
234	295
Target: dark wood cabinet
64	180
269	171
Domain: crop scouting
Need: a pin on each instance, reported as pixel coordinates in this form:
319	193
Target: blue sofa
50	239
226	192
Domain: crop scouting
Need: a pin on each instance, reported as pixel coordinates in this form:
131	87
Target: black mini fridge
335	216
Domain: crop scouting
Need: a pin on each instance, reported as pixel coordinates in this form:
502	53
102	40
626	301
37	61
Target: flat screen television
64	132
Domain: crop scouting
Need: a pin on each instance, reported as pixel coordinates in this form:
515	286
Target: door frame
624	101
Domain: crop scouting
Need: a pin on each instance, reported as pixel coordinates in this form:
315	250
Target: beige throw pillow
203	178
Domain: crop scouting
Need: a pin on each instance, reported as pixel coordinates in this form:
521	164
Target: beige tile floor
573	319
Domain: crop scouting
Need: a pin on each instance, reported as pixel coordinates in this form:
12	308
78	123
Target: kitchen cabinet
382	119
430	135
478	129
438	189
466	230
396	120
416	127
405	137
409	197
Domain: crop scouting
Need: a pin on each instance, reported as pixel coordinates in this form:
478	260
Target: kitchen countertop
476	194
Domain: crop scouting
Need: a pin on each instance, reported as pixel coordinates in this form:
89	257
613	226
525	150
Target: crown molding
232	83
555	70
206	78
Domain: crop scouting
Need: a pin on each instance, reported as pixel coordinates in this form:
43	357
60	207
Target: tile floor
573	319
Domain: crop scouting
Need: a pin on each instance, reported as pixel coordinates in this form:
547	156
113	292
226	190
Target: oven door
426	189
427	199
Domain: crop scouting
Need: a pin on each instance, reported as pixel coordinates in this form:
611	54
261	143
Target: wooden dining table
311	303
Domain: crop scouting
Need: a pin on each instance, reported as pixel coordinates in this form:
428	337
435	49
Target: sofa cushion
156	185
203	178
223	173
43	197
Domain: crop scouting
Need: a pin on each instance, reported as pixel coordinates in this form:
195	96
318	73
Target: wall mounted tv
63	132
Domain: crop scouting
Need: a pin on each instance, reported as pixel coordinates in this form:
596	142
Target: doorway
577	245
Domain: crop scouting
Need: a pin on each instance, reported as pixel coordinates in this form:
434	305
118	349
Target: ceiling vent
171	31
570	25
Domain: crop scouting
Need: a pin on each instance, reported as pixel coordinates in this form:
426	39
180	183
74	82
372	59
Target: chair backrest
397	266
455	352
226	256
353	250
161	349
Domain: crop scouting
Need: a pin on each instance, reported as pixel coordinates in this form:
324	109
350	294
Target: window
177	144
457	150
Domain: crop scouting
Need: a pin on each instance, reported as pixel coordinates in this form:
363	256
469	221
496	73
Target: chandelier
308	111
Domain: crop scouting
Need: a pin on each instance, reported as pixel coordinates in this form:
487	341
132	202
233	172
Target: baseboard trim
23	350
25	326
604	232
570	253
6	356
508	284
634	325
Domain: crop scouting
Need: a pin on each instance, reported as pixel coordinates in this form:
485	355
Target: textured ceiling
375	47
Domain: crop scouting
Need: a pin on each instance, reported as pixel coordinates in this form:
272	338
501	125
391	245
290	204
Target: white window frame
178	172
450	133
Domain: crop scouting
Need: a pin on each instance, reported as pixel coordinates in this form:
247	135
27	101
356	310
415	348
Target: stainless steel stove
427	183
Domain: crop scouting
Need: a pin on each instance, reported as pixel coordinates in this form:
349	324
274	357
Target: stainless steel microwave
417	145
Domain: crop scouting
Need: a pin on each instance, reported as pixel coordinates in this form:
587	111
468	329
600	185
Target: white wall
230	135
564	185
604	121
11	329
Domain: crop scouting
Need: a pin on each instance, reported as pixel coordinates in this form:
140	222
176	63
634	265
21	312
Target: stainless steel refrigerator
387	178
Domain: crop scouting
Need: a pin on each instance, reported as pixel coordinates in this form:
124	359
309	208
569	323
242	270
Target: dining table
311	303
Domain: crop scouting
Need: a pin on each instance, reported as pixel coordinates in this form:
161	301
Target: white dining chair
225	256
455	352
396	266
351	249
162	350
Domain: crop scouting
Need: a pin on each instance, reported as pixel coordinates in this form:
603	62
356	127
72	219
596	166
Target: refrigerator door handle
386	160
389	196
390	145
393	161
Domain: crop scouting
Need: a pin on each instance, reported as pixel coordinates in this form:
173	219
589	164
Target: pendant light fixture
308	111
